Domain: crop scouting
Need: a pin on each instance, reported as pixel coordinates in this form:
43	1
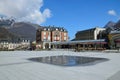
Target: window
64	34
65	38
56	29
44	33
58	38
44	29
49	38
55	38
44	38
48	29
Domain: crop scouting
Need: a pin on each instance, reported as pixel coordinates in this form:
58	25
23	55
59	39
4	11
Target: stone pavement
14	65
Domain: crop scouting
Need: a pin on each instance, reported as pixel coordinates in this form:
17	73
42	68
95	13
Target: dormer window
56	29
44	29
48	29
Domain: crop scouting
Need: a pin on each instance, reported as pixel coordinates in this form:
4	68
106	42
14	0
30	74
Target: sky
73	15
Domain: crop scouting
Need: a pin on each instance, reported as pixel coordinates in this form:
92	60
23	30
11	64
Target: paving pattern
14	65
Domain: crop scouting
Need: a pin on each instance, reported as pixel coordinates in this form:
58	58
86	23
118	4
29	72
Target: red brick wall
59	37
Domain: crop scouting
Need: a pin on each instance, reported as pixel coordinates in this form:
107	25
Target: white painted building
97	31
12	46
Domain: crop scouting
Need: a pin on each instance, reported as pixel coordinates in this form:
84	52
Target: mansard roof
52	28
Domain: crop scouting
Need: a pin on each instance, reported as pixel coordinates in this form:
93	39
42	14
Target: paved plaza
14	65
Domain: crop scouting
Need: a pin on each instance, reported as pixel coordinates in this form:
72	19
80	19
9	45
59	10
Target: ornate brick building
45	35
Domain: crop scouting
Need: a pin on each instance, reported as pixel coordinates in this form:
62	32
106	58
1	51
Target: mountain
24	30
110	24
5	35
21	30
117	26
118	21
6	23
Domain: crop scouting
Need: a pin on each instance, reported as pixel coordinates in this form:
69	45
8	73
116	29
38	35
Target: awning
100	42
117	40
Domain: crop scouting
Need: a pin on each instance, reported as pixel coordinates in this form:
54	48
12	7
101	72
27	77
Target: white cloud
27	10
112	12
